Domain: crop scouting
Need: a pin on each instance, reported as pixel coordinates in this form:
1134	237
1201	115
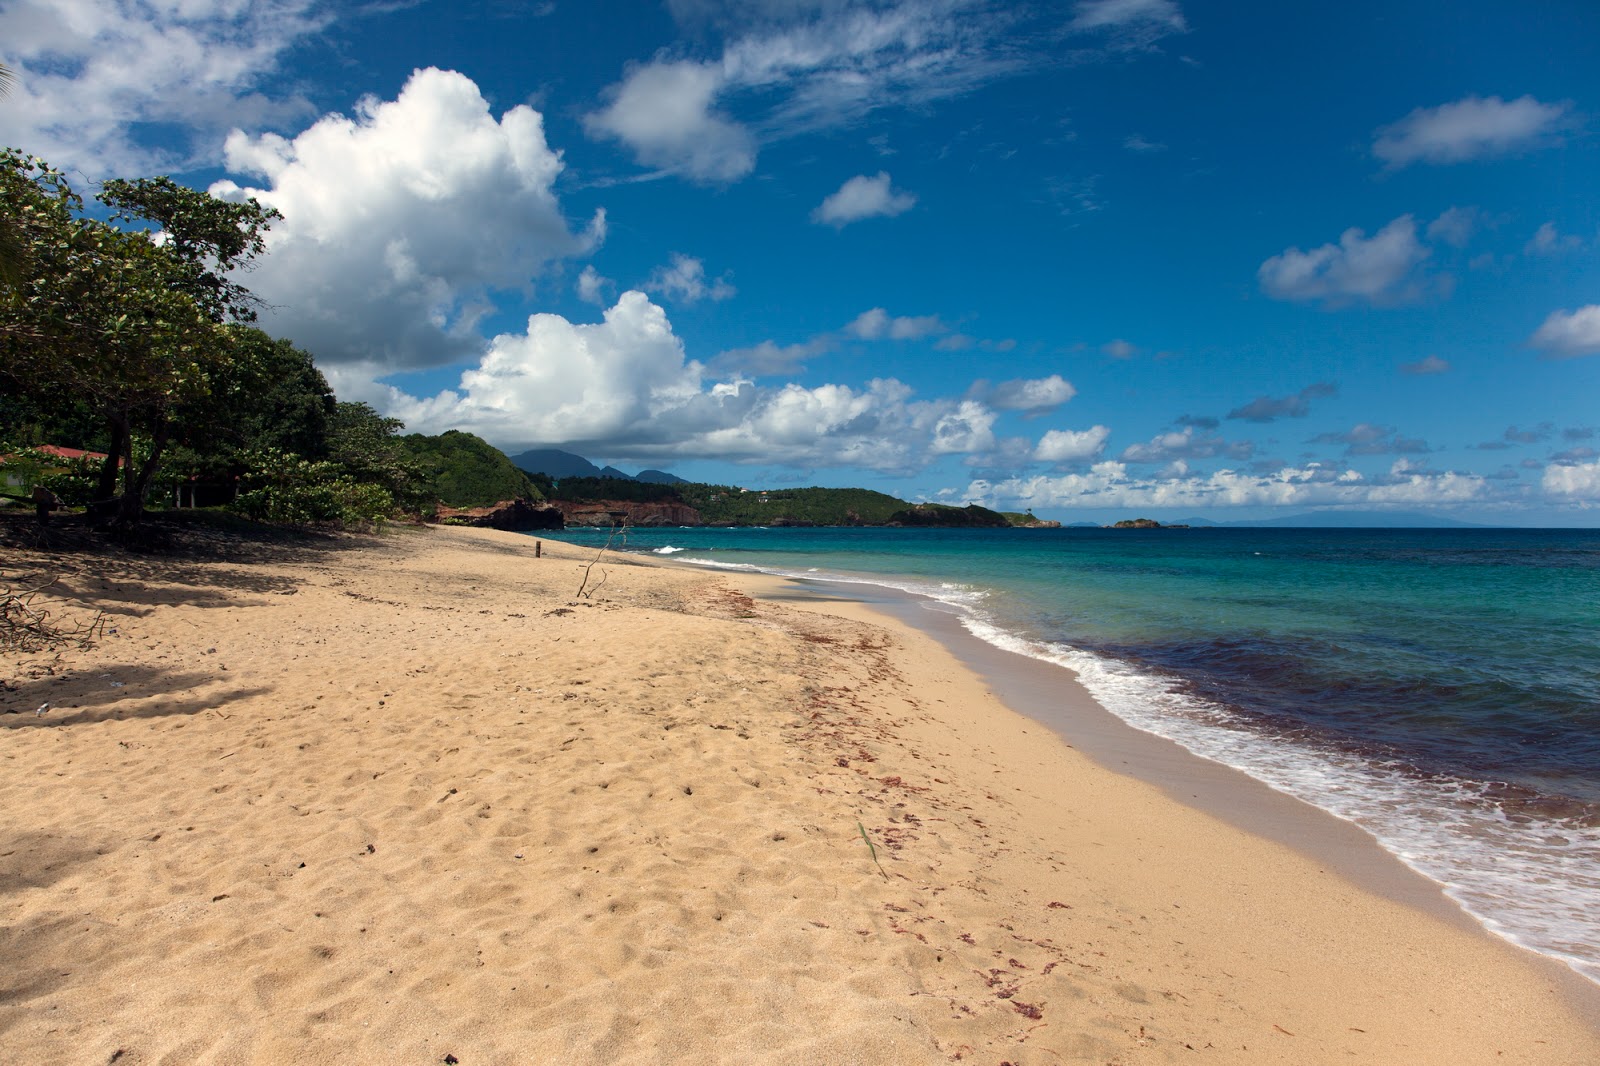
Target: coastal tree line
124	333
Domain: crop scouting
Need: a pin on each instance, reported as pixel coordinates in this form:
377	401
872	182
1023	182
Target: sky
1095	259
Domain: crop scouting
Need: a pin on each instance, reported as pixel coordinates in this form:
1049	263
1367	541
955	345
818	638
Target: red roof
69	453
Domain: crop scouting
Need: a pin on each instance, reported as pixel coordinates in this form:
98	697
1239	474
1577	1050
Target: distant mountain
659	477
611	471
1345	520
552	462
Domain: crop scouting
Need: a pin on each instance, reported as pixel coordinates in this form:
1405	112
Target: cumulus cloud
878	324
1547	240
400	220
1474	127
1455	226
863	197
684	280
624	386
1569	333
1379	270
94	79
769	358
1296	405
1110	485
1431	364
665	112
1186	444
591	286
1366	438
1031	396
1575	481
1071	446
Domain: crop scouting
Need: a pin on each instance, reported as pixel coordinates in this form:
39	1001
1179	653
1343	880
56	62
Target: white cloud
1547	240
1031	396
1177	445
863	197
1580	481
1367	438
1474	127
1109	485
93	78
400	220
1137	143
968	428
770	358
1120	349
794	66
1378	270
592	286
1570	333
1133	23
665	112
1455	226
1430	365
878	324
625	387
685	280
1071	446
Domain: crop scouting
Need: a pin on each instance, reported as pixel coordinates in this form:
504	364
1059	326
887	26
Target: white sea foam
666	549
1533	881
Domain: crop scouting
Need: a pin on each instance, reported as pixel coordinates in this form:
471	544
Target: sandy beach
411	798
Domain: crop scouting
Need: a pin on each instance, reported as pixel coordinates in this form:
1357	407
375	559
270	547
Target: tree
128	323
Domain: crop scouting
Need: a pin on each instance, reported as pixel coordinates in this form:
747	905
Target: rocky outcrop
1038	523
514	515
606	513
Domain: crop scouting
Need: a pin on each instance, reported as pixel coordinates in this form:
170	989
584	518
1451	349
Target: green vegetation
461	470
137	346
726	505
937	514
733	506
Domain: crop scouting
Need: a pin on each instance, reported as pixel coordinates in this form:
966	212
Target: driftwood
27	626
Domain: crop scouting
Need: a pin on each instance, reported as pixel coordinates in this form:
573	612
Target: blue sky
1095	258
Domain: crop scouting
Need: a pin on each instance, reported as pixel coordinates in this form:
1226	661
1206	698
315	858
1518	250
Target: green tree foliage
462	470
937	514
128	325
591	489
203	237
283	487
367	446
720	504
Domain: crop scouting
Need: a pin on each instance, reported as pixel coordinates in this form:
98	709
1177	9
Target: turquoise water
1441	688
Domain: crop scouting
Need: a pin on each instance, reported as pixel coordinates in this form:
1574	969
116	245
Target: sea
1438	688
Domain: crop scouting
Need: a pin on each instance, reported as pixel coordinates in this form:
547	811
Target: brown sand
404	798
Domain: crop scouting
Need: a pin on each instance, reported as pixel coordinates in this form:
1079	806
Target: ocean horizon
1439	688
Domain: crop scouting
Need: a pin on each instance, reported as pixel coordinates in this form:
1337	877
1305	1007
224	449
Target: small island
1144	523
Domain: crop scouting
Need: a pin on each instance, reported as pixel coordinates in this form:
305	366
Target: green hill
462	470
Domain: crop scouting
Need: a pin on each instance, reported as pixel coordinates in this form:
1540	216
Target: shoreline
393	798
1050	694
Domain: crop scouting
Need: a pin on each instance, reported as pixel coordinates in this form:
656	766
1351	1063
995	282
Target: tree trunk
107	487
133	495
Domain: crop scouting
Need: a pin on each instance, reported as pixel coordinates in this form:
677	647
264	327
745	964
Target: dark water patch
1429	716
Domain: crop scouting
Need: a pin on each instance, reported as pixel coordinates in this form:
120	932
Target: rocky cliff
629	512
514	515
